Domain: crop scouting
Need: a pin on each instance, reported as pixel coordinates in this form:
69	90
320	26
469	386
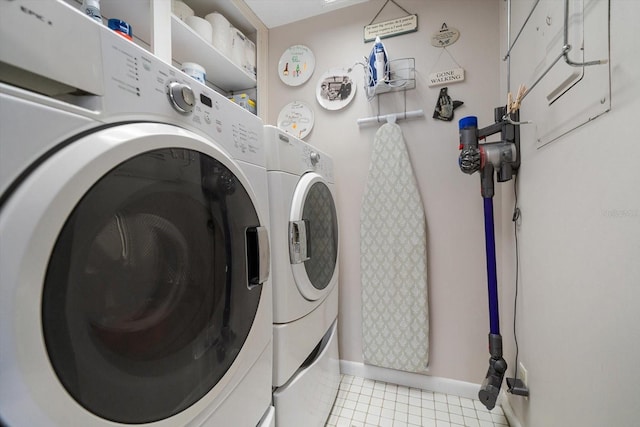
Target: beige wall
578	312
457	280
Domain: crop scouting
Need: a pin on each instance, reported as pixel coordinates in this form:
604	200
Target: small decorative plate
296	118
335	89
296	65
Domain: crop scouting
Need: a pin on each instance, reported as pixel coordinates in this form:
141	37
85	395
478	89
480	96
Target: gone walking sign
446	77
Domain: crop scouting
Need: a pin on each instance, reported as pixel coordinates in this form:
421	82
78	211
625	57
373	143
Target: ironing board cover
393	259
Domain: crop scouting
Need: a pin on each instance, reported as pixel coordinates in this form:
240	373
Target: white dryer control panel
295	156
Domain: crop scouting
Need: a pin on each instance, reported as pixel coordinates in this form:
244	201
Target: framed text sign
394	27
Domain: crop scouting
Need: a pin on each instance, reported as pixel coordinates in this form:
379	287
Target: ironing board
395	328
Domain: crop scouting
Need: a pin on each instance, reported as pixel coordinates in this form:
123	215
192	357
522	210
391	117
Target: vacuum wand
504	157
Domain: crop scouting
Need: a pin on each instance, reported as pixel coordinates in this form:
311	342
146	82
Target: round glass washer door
313	232
144	272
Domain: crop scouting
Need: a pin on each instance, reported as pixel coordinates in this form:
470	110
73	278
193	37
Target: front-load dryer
134	224
304	245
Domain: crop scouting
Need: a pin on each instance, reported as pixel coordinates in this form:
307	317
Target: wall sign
445	77
445	37
394	27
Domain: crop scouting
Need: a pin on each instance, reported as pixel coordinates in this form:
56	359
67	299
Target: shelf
188	46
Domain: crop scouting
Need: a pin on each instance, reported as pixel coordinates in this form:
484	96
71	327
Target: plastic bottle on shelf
92	9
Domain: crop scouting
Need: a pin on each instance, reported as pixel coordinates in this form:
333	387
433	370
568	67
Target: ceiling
274	13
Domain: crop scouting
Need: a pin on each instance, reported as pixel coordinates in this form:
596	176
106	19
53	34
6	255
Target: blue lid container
120	26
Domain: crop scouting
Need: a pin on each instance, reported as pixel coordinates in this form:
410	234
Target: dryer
304	245
134	224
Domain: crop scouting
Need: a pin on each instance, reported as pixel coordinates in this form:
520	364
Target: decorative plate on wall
335	89
296	118
296	65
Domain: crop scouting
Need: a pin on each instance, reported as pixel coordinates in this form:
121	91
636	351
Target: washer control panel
139	86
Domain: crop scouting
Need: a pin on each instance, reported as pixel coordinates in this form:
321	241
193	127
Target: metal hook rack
566	47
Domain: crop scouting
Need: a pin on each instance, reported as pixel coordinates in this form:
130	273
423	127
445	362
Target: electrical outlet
522	374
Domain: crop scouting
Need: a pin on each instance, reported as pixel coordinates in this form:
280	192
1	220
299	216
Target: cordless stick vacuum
502	157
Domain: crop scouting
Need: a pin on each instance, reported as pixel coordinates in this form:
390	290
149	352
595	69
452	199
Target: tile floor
367	403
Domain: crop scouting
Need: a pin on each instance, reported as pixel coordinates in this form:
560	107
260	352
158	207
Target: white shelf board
188	46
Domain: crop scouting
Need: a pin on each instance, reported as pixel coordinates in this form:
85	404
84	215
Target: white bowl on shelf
200	26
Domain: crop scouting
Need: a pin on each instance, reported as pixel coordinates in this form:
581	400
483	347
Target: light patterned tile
373	419
441	406
415	419
359	416
440	397
366	403
471	422
400	416
375	402
378	393
415	410
453	400
350	404
364	399
402	390
346	413
455	409
442	416
387	413
374	410
469	412
402	407
499	419
402	398
362	407
428	422
389	404
466	403
456	419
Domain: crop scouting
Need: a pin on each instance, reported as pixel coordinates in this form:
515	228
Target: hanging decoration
443	38
445	106
391	28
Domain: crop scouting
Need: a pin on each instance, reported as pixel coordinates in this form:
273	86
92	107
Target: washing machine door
313	237
131	263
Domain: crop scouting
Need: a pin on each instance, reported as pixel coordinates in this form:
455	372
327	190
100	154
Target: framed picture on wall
335	89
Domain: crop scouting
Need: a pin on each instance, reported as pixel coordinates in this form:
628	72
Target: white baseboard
410	379
509	414
426	382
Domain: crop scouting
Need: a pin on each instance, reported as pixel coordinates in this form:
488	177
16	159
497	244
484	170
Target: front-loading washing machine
304	247
134	227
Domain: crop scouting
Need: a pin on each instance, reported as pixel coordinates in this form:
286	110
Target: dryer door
131	264
313	237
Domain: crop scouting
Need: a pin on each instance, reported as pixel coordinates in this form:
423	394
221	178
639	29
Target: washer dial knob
314	157
182	97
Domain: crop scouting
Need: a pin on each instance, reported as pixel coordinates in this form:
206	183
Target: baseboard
410	379
509	414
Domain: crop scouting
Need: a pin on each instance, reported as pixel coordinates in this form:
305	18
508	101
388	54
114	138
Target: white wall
457	280
578	316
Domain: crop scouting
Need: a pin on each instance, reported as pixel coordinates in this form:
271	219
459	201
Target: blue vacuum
503	159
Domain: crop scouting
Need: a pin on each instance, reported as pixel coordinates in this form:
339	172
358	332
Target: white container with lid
92	9
195	71
222	36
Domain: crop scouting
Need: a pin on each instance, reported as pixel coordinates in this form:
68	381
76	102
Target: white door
313	237
131	262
